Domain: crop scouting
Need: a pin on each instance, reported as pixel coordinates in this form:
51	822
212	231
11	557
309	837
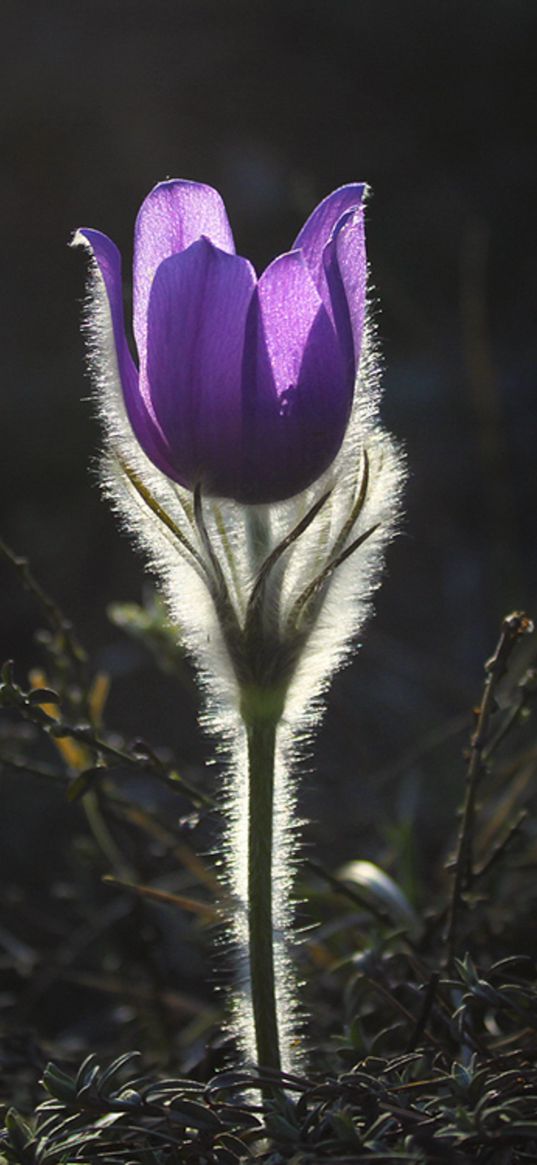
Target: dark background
277	102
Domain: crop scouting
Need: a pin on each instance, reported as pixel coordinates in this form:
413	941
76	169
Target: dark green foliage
424	1105
424	1047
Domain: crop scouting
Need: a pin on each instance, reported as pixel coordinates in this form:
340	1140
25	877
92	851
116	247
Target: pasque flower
244	385
244	452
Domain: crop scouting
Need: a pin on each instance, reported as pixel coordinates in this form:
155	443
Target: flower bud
244	385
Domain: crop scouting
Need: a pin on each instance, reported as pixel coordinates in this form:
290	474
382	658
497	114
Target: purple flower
243	384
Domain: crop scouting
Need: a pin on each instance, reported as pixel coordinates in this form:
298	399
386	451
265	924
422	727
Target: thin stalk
261	754
513	627
103	836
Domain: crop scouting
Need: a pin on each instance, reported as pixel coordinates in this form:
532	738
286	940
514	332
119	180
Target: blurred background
276	103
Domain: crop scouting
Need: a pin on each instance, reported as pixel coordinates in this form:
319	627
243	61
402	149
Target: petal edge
175	214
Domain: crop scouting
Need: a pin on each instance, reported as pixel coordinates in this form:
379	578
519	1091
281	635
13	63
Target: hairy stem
261	755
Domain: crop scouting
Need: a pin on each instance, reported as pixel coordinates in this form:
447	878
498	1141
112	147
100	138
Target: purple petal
108	259
174	215
345	265
316	232
296	393
192	378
